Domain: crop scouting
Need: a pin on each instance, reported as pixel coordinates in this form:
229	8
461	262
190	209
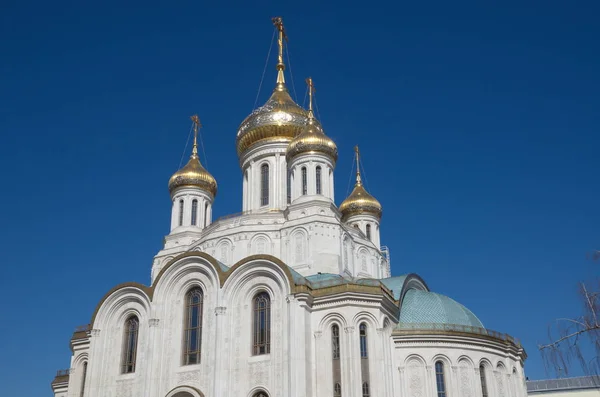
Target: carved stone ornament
153	322
220	310
349	330
95	333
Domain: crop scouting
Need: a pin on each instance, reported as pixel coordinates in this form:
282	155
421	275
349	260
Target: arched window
337	390
365	389
194	212
363	341
262	324
484	389
83	379
439	379
304	182
193	326
205	214
264	184
318	179
369	231
260	394
335	341
289	187
130	340
180	212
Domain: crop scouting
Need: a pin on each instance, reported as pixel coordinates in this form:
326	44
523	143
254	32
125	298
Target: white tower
311	159
262	140
193	190
361	210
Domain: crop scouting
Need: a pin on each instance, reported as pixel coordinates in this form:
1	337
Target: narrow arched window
363	341
335	341
264	184
365	389
318	179
369	231
193	326
260	394
194	212
337	390
262	324
304	182
180	212
289	187
484	389
439	379
83	378
130	345
205	214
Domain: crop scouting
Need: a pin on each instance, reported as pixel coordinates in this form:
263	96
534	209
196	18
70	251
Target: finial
196	120
358	180
278	23
311	91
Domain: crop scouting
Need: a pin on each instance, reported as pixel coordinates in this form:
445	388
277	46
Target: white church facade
292	297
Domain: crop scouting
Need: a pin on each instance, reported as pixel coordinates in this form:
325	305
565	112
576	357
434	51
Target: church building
292	297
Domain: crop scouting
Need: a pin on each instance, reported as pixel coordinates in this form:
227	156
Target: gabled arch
185	389
119	296
412	281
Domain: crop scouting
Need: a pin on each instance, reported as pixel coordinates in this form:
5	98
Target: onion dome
312	139
360	201
280	119
193	173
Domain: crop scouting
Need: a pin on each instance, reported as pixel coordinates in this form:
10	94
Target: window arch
368	231
318	180
130	340
363	340
440	380
260	394
365	389
337	390
264	184
194	212
335	341
484	389
192	343
304	182
261	324
181	212
85	365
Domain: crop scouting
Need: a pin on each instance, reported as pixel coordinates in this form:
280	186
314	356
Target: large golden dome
193	173
360	201
312	139
278	120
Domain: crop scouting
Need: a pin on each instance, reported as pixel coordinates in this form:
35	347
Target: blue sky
478	125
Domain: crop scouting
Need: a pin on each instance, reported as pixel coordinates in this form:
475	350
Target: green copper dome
423	307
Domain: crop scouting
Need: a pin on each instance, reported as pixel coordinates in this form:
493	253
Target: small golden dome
278	120
193	173
360	201
312	139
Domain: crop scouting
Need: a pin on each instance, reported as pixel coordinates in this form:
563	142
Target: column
151	360
218	386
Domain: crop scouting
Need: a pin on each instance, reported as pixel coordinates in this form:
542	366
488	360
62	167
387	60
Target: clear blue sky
478	123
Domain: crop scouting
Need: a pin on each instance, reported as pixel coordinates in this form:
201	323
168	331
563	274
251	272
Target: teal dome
423	307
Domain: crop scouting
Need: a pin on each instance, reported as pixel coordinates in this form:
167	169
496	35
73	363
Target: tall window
304	182
289	187
318	177
83	379
132	326
365	389
205	214
335	341
369	231
264	184
484	389
337	390
262	324
439	379
180	212
193	326
363	340
194	212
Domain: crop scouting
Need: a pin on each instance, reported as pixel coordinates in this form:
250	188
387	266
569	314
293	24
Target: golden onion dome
280	119
193	174
312	139
360	201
